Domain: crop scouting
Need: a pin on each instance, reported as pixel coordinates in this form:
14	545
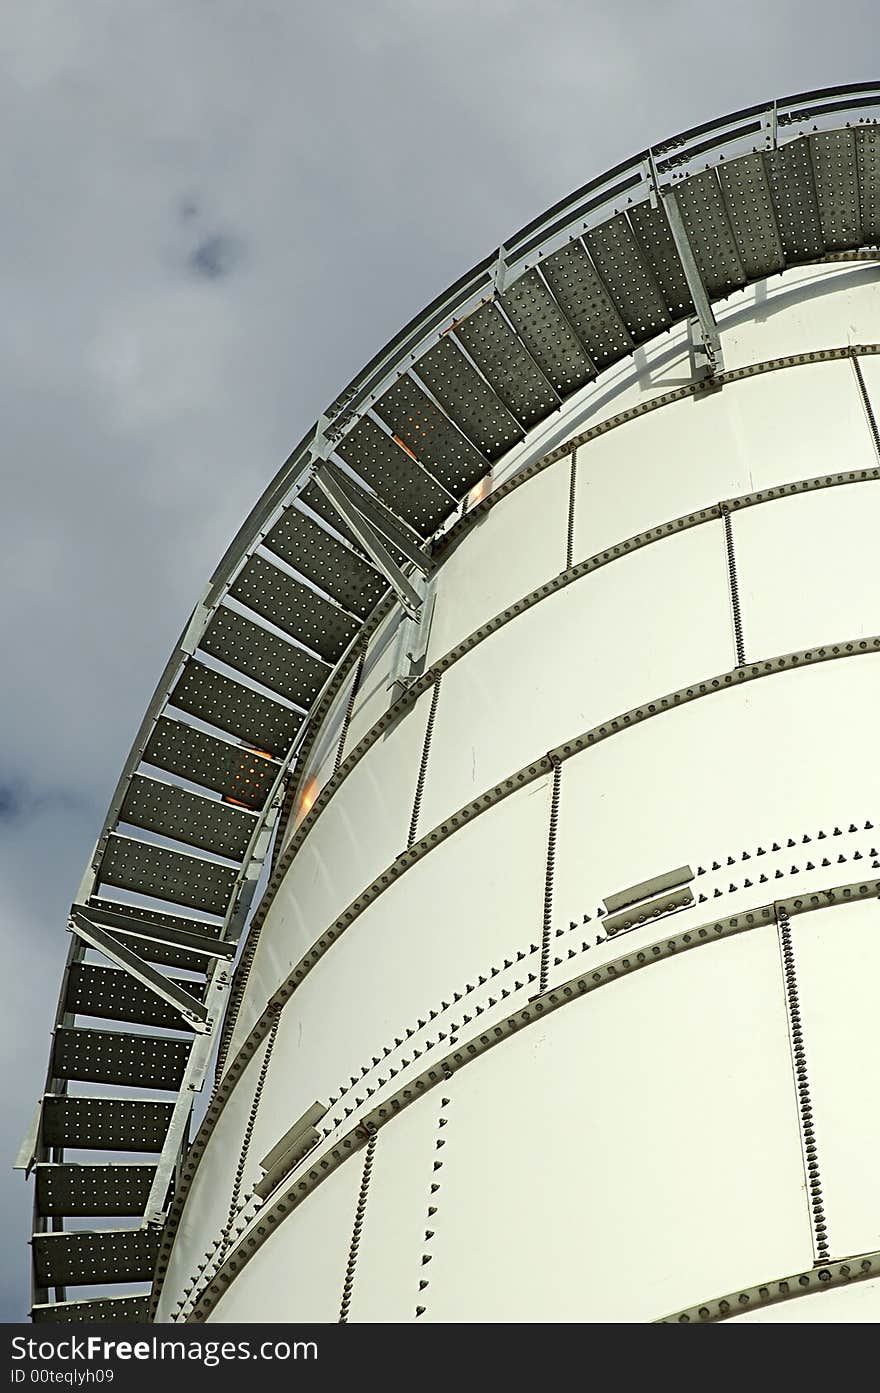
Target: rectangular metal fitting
655	886
296	1143
651	909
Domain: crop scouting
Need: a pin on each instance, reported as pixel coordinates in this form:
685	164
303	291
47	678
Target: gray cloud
155	376
216	255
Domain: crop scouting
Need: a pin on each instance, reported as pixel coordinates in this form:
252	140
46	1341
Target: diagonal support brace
194	1011
134	927
370	521
709	339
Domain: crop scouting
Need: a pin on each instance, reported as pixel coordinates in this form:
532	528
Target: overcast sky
213	213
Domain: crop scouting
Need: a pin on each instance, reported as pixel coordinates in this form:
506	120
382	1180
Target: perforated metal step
792	188
110	1056
468	400
109	993
588	307
328	563
183	816
547	334
653	235
837	188
87	1258
131	922
295	608
230	769
92	1190
106	1310
746	190
104	1124
432	437
393	474
166	875
868	159
629	280
220	701
501	356
704	215
273	661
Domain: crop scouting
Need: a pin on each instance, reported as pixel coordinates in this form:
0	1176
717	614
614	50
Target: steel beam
158	933
380	517
708	338
191	1083
192	1010
367	518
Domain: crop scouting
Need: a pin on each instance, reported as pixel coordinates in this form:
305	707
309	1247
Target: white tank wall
586	1157
638	1151
336	860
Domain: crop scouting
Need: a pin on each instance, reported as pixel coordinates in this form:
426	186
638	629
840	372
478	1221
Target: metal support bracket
706	351
192	1010
411	643
296	1143
371	521
157	933
250	873
501	277
193	1079
770	123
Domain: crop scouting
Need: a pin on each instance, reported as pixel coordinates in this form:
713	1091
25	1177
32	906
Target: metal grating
589	308
790	171
85	1259
629	279
508	365
105	1124
868	160
655	239
328	563
107	912
431	436
837	188
746	191
113	1056
111	994
546	333
265	657
396	477
467	399
154	870
187	817
709	233
72	1190
220	701
105	1310
292	606
203	759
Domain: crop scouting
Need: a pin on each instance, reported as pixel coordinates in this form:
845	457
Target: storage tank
507	815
